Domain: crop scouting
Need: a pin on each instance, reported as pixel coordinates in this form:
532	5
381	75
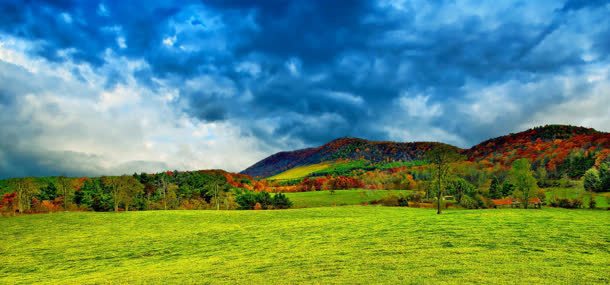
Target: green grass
355	245
300	171
340	198
577	191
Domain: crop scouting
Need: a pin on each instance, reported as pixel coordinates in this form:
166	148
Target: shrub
280	201
592	202
469	203
567	203
248	200
415	197
591	180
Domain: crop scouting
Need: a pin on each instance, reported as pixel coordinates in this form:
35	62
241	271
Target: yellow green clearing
301	171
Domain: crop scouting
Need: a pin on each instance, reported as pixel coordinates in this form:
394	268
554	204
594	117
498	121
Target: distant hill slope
343	148
549	145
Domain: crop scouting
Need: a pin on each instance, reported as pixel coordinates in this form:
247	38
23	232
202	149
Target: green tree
48	192
522	177
459	188
507	188
495	189
64	187
215	186
130	189
440	157
541	176
591	180
114	185
604	177
168	192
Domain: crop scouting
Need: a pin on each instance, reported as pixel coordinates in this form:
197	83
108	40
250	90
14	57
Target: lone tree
591	180
440	157
523	178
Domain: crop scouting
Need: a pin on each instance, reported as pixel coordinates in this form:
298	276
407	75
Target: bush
567	203
592	202
392	201
248	200
591	180
469	203
280	201
416	197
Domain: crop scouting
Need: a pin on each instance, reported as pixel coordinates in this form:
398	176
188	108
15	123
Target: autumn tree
26	189
522	177
440	157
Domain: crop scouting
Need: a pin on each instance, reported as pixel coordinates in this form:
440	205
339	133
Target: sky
117	87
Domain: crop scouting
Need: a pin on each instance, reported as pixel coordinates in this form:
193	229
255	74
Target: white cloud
169	41
120	41
345	97
68	122
249	67
417	106
294	66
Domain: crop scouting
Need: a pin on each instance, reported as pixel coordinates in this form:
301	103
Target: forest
518	167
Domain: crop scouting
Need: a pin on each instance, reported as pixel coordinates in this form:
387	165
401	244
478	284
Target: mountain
343	148
549	145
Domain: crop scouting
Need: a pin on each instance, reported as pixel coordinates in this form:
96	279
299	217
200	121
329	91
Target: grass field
354	244
339	198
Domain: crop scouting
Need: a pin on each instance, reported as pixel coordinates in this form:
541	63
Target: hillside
343	148
550	145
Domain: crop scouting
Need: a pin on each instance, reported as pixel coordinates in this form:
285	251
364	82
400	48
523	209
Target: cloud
193	84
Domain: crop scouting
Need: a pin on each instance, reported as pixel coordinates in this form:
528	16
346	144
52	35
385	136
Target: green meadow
352	244
339	197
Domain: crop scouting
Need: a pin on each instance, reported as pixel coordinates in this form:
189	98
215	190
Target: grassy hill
358	244
301	171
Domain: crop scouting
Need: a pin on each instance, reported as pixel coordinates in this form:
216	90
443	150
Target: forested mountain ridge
557	147
550	145
342	148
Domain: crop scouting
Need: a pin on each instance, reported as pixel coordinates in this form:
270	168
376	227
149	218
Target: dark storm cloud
311	71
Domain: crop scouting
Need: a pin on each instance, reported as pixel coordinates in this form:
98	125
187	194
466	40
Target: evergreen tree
495	189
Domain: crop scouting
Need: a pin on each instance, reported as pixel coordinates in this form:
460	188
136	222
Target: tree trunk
438	202
217	200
